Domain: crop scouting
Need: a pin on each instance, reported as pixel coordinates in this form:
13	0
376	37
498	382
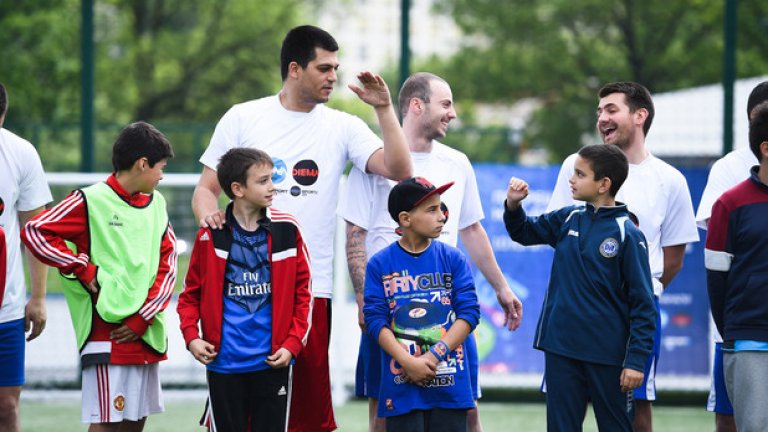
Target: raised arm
475	240
394	160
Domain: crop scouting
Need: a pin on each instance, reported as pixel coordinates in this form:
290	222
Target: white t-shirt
23	187
658	195
364	199
725	173
310	151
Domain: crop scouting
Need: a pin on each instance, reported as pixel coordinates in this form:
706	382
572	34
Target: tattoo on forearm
356	258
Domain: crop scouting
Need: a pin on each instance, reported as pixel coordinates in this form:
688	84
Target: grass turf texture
63	416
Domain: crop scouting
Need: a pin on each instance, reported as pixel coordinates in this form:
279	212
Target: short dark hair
607	161
758	95
758	129
416	86
299	46
234	165
138	140
636	96
633	217
3	100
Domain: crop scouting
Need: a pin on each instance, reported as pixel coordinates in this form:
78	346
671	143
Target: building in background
368	33
689	122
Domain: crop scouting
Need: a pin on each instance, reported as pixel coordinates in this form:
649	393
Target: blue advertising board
685	342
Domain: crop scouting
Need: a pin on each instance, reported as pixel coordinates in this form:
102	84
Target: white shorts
113	393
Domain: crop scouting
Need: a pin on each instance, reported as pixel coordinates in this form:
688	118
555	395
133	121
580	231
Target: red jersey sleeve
303	300
47	233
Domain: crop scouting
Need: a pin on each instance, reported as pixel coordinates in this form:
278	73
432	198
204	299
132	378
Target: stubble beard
431	132
620	141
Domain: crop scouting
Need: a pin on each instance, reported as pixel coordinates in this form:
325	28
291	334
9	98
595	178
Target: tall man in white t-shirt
726	173
426	105
24	193
654	191
310	145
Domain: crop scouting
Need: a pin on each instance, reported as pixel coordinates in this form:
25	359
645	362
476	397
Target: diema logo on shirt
280	171
305	172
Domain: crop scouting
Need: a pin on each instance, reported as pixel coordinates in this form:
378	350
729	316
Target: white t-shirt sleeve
225	137
33	187
361	142
471	206
355	202
725	173
679	226
717	183
561	195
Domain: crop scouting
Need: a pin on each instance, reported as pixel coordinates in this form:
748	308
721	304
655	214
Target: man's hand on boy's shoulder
202	351
280	359
213	220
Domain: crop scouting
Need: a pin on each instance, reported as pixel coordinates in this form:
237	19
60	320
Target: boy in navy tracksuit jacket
598	319
420	305
736	258
248	287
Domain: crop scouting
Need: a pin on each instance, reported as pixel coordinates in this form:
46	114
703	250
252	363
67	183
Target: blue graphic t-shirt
246	337
419	298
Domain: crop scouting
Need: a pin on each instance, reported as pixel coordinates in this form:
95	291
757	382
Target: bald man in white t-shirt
426	105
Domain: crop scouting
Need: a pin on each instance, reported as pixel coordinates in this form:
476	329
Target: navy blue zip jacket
599	305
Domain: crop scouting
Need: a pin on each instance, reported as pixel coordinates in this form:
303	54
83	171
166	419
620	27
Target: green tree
562	51
189	60
163	61
39	47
